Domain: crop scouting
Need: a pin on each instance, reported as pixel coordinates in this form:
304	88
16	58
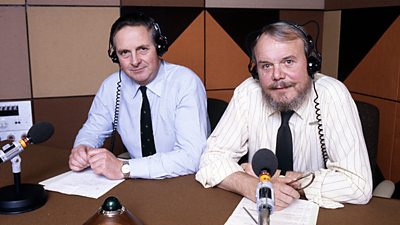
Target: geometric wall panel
68	47
360	29
226	62
378	72
172	20
239	23
188	48
14	64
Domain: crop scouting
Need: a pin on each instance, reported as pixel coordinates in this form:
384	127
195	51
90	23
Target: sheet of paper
84	183
300	212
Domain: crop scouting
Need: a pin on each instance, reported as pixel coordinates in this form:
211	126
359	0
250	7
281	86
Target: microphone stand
20	198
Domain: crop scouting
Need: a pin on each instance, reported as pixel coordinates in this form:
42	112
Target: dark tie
284	145
146	128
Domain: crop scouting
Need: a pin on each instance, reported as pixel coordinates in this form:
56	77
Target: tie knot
143	89
286	116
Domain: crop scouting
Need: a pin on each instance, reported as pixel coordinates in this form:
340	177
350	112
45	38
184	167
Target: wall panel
69	49
14	61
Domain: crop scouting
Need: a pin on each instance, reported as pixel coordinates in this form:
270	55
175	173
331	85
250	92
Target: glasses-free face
282	69
137	54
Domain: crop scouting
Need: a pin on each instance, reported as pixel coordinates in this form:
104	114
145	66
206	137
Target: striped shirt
250	124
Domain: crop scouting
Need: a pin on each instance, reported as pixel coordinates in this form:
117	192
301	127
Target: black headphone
314	58
137	19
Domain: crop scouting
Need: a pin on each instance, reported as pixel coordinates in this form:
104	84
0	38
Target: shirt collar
157	85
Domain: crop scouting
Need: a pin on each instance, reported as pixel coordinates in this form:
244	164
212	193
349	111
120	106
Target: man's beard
282	104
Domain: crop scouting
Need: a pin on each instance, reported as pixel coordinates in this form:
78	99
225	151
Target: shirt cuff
314	194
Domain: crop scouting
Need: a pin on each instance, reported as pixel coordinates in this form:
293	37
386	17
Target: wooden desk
177	201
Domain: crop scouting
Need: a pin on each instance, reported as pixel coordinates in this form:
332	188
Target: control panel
15	119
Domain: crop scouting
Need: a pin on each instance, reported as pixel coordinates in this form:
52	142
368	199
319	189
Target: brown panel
378	73
188	49
69	45
346	4
75	2
67	116
395	160
271	4
181	3
226	63
14	65
12	2
224	95
387	128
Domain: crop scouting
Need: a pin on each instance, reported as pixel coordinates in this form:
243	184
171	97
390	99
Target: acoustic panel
68	47
176	3
14	64
188	48
226	62
378	73
360	30
74	2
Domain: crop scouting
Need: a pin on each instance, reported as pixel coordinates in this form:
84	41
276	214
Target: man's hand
79	159
104	162
285	194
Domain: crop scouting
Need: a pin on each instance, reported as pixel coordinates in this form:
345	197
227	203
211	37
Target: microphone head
264	160
40	132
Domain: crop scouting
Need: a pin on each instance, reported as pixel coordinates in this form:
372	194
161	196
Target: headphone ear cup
162	45
113	55
254	73
253	70
313	65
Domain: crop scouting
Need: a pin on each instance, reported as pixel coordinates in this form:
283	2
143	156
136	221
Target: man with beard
285	81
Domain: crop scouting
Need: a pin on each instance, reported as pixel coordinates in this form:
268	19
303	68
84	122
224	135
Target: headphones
314	58
137	19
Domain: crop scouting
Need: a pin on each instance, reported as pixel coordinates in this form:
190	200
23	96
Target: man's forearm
241	183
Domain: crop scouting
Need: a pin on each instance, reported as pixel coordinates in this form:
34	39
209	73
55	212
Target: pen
255	221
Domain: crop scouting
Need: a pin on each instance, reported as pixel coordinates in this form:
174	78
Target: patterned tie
146	128
284	145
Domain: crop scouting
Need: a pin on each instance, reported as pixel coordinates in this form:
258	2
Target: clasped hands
101	161
285	187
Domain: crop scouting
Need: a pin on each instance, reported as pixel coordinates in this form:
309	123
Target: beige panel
12	2
188	49
223	94
181	3
330	43
69	49
74	2
378	73
226	63
14	62
387	128
279	4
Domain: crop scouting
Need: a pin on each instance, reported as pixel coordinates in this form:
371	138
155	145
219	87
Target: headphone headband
137	19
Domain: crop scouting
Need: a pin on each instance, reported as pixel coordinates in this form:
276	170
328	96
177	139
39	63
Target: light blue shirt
178	105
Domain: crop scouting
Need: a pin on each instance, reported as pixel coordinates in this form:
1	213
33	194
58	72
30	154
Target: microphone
38	133
20	198
264	165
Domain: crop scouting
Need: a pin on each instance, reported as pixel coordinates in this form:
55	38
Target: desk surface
180	200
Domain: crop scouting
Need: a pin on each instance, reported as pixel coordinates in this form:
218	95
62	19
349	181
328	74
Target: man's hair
283	31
